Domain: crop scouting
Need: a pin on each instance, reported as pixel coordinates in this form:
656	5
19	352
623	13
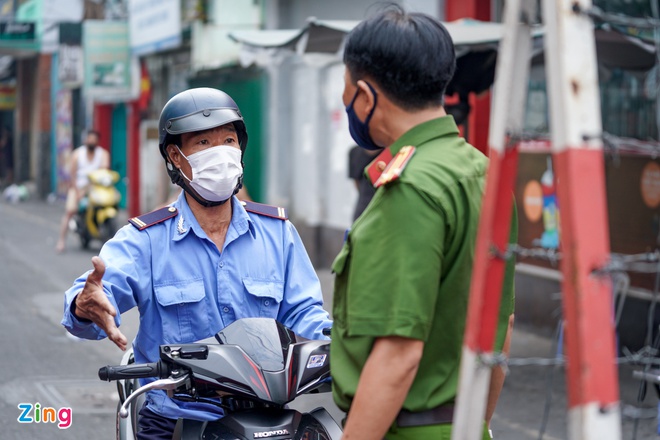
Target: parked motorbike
252	369
97	212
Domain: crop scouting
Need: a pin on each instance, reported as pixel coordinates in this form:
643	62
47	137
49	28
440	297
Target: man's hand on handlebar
92	304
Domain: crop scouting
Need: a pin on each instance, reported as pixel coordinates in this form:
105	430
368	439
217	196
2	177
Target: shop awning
277	38
476	43
615	49
326	36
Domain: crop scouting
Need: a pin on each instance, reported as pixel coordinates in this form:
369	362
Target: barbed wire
645	356
646	262
515	138
618	266
621	283
596	13
612	144
516	250
616	144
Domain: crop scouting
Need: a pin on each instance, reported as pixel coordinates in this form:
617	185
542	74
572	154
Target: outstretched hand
93	304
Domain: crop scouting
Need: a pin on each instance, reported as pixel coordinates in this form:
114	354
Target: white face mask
215	172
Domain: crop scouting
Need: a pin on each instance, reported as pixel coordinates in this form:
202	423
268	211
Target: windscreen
264	340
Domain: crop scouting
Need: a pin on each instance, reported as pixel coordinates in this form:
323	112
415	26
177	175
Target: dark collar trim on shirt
267	210
154	217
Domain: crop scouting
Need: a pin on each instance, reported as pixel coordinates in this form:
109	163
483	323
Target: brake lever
170	383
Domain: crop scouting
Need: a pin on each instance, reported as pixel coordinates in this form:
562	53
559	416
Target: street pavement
42	364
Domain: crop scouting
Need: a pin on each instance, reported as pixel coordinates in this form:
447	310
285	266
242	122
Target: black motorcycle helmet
195	110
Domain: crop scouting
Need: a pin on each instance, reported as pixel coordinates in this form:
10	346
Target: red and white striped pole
494	226
575	119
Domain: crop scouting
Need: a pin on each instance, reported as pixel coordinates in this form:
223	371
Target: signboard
22	40
70	68
650	185
155	25
70	59
14	30
107	59
7	97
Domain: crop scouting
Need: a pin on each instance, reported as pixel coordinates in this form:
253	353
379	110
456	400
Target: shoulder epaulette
267	210
377	166
396	166
154	217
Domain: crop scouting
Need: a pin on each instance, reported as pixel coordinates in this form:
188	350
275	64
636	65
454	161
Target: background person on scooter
403	276
202	263
84	159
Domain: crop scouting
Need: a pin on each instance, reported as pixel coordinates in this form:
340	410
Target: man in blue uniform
205	261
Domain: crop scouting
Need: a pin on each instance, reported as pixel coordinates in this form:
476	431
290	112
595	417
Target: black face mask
360	130
91	146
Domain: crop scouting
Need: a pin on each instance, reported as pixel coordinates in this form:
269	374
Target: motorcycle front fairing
275	424
253	370
257	359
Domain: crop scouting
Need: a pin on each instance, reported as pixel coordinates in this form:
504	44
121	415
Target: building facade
111	65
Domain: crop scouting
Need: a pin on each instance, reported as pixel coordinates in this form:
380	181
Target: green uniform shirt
406	265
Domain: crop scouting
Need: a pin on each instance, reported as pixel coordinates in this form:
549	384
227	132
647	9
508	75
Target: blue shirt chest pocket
264	296
183	311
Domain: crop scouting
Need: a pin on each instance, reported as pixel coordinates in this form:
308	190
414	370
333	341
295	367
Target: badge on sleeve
396	166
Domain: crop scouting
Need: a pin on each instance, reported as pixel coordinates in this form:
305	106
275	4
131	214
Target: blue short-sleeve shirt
187	290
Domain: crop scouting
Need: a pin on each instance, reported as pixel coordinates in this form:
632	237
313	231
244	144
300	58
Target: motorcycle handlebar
133	371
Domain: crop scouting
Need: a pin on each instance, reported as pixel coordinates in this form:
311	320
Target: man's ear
368	96
174	155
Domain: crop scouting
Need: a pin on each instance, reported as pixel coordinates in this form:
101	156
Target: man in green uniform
403	276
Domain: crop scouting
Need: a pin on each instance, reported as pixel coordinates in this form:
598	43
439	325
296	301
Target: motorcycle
252	369
97	213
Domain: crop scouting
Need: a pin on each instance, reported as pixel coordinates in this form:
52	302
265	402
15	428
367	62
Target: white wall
339	192
155	184
306	145
309	142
